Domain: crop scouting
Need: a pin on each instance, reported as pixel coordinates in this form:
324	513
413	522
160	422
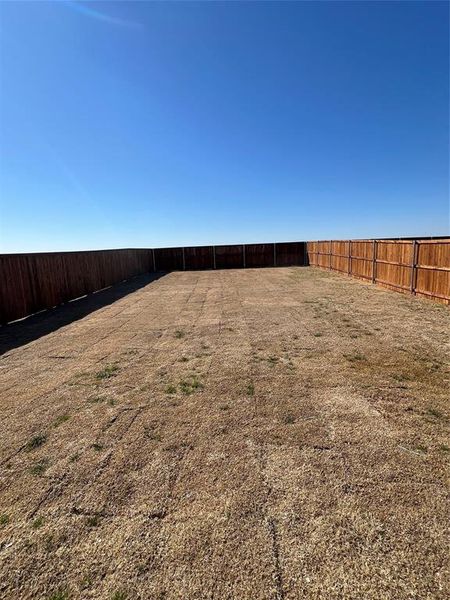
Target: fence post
274	255
415	247
214	257
329	256
184	260
243	254
349	257
154	262
374	261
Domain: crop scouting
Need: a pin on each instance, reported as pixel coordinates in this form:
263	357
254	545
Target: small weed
36	442
272	360
37	523
97	447
401	377
171	389
289	419
112	402
86	582
151	435
93	521
96	400
39	468
74	457
250	389
356	356
60	420
354	336
421	448
107	372
184	359
59	595
433	412
318	334
179	334
4	520
444	448
224	407
119	595
189	386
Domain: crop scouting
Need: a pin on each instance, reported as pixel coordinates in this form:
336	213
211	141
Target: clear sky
134	124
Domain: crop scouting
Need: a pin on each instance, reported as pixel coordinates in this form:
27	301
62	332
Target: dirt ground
243	434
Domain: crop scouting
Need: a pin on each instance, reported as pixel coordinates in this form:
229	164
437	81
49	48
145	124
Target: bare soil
242	434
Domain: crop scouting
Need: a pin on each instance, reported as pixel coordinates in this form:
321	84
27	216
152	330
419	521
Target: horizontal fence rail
30	283
418	266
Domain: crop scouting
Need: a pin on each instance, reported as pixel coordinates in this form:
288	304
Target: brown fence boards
229	257
420	267
259	255
290	254
198	258
168	259
34	282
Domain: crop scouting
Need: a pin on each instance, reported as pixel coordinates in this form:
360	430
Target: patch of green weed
36	442
107	372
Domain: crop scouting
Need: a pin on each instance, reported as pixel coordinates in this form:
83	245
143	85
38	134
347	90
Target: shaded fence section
236	256
33	282
30	283
420	267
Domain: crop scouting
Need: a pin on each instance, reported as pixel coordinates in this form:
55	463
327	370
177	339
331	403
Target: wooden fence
420	267
229	257
30	283
33	282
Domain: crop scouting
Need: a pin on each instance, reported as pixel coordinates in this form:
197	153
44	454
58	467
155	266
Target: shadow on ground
31	328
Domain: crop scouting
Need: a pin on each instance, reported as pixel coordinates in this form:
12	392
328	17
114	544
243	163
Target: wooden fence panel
290	254
229	257
433	270
168	259
199	257
420	267
259	255
34	282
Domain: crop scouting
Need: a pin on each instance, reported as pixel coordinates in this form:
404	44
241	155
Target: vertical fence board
421	267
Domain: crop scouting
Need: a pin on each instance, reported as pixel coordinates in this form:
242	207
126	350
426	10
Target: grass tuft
179	334
37	523
250	390
171	389
59	595
107	372
355	357
433	412
39	468
191	385
93	521
288	419
4	520
60	420
36	442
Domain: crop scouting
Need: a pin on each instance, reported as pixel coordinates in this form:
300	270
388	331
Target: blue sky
134	124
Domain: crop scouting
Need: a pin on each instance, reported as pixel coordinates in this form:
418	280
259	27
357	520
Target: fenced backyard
39	281
258	434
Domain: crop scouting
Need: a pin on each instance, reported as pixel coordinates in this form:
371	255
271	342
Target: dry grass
258	434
